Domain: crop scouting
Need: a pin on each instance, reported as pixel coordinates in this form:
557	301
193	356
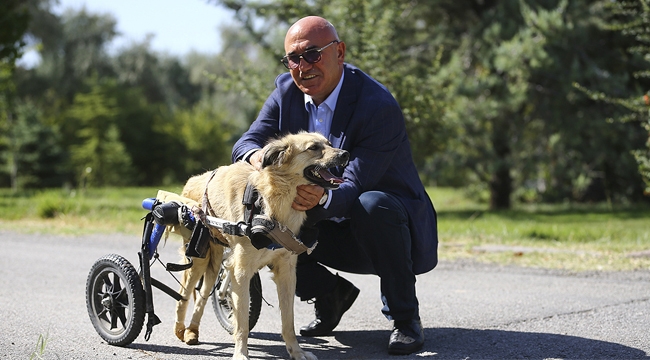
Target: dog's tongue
328	176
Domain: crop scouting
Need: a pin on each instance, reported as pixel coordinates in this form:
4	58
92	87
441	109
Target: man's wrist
249	153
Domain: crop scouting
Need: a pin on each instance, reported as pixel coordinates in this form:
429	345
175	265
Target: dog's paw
191	336
179	331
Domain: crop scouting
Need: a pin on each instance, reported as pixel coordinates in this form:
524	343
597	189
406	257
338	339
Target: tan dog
287	162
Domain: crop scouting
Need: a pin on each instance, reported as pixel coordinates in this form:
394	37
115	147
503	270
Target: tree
162	79
34	149
204	135
14	20
487	85
99	158
72	47
632	19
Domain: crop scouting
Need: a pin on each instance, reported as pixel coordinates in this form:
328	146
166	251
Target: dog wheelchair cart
118	296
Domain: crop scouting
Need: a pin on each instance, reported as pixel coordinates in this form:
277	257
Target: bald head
313	26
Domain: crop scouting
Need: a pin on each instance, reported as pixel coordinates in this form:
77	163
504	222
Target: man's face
317	80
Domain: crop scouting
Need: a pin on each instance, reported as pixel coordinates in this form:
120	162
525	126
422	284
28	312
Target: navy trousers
375	240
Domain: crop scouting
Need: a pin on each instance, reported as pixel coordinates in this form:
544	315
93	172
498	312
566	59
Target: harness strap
205	203
253	203
200	213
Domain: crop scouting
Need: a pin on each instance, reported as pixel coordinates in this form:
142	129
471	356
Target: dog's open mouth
322	177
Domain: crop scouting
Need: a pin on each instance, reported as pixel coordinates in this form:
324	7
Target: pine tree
632	18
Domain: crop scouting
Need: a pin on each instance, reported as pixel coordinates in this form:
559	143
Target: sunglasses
311	56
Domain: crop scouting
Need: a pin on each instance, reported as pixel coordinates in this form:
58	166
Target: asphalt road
469	311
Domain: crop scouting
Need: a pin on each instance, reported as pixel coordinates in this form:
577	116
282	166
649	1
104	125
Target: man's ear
274	153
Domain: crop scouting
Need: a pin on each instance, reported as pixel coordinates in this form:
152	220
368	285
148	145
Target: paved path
469	311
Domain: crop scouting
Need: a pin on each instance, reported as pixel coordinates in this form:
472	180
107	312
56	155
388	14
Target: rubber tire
127	318
224	310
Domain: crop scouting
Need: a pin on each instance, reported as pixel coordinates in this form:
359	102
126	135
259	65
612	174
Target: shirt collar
331	100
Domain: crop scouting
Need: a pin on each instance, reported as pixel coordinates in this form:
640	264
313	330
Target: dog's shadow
441	343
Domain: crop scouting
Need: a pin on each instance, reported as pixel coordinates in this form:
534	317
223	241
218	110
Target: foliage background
508	99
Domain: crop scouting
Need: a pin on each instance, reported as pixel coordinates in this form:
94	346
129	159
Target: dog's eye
313	147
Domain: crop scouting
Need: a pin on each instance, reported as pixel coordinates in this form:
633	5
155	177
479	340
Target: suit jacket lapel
297	118
344	108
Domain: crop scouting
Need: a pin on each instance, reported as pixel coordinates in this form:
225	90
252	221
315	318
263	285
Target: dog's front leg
241	297
285	280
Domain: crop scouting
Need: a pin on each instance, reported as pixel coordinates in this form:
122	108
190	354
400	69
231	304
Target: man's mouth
309	77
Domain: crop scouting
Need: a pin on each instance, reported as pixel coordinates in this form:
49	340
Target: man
380	220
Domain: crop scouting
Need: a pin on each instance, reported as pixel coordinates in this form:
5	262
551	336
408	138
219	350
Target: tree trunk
500	188
500	182
13	152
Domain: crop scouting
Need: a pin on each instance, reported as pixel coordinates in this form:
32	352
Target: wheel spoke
107	283
117	287
113	319
102	315
120	311
122	305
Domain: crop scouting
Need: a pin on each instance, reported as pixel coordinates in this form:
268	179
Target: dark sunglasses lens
311	56
294	61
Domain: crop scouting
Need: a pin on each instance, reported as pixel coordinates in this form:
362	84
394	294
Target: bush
51	206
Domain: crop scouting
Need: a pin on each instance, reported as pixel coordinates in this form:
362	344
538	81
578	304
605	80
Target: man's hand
308	196
256	159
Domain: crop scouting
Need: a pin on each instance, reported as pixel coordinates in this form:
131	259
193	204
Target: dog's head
309	154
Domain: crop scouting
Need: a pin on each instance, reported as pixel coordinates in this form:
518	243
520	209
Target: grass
563	236
105	210
41	345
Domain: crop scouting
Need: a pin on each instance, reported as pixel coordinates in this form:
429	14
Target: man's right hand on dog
256	159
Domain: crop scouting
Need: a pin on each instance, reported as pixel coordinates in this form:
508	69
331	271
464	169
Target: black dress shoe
330	308
407	337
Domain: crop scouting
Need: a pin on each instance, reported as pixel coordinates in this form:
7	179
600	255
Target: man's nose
304	64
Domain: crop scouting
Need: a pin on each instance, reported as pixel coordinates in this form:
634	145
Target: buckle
266	231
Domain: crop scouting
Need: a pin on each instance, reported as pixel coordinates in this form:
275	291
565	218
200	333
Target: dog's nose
344	156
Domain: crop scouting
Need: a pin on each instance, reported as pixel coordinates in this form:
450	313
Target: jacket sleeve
265	127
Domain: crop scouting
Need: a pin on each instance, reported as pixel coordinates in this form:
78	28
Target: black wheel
223	307
115	300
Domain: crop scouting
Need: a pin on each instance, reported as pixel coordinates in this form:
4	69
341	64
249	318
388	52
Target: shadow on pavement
459	343
441	343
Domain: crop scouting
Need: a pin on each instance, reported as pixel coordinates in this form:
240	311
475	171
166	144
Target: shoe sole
346	306
405	351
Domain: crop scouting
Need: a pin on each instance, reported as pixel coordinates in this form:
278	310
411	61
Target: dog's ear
274	153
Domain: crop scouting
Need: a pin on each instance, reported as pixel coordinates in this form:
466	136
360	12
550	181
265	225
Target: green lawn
563	236
102	210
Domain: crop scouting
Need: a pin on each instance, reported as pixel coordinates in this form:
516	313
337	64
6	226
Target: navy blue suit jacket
369	124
